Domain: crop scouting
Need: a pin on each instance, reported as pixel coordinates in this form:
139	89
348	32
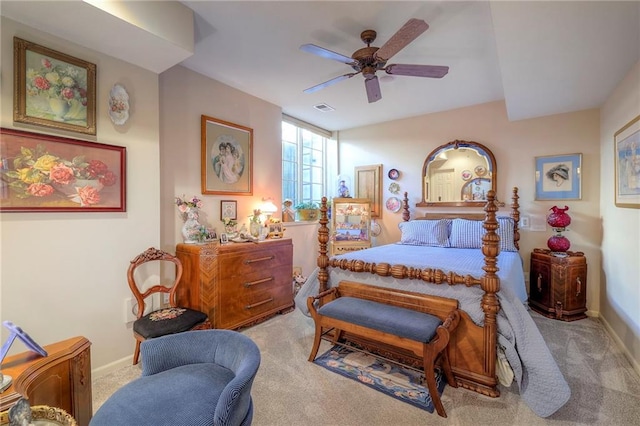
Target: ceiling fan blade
373	89
405	35
329	82
433	71
325	53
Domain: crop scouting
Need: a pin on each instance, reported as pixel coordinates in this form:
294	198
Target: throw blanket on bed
542	385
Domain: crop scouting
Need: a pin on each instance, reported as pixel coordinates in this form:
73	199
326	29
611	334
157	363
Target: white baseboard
620	343
111	367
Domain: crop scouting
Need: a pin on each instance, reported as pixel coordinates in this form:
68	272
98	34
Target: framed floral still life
558	177
43	173
226	157
627	164
53	89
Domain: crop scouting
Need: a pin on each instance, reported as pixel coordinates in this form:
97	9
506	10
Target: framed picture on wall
226	157
627	165
53	89
228	209
44	173
558	177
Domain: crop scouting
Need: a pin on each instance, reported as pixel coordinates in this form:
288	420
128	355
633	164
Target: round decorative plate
393	174
480	170
118	105
393	204
466	174
394	188
375	228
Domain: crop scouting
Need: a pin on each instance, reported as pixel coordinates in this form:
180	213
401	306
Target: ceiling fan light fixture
324	107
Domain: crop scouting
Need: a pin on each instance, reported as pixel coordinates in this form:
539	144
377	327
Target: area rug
379	374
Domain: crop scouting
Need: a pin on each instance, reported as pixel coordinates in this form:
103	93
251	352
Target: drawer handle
578	286
256	282
260	259
539	282
259	303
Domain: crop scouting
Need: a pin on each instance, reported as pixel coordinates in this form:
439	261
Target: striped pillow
468	233
433	233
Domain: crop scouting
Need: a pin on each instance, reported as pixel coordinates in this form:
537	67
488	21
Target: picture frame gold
226	157
276	230
45	173
53	89
626	142
229	209
368	185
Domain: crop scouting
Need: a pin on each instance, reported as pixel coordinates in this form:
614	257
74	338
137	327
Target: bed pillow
468	233
433	233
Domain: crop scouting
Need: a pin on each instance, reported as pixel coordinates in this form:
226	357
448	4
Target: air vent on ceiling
324	107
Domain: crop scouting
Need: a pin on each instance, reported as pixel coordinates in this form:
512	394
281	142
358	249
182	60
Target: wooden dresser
62	379
237	284
558	285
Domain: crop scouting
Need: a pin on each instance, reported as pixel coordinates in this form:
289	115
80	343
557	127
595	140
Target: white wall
404	145
620	289
64	274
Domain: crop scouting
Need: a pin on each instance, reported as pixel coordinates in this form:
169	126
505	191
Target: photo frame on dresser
627	165
226	157
53	89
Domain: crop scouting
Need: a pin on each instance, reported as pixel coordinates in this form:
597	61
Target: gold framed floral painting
53	89
44	173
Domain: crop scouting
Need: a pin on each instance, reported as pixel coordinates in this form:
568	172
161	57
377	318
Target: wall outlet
524	222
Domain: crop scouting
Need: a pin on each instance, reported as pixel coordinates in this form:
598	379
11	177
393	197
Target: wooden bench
416	322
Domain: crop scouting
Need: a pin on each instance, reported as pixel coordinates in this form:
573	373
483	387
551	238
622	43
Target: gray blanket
540	381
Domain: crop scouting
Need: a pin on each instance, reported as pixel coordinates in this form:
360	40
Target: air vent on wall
324	107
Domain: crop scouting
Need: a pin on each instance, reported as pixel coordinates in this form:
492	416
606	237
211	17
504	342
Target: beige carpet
289	390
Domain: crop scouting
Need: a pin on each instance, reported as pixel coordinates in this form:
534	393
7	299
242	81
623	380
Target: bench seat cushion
390	319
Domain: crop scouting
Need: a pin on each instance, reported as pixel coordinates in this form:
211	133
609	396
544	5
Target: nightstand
558	284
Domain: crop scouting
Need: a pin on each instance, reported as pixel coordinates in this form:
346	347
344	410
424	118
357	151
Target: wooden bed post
323	239
405	208
490	283
515	214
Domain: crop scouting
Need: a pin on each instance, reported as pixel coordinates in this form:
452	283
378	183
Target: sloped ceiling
540	57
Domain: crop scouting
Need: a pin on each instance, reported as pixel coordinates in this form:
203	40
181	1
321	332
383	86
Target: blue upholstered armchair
199	377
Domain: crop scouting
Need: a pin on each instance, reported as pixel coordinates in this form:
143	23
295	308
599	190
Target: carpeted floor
289	390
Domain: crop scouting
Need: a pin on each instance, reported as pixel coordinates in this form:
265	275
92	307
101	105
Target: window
308	157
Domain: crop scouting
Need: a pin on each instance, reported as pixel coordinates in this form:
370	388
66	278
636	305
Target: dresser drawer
260	260
242	306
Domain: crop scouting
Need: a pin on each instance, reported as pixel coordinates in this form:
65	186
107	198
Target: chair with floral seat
167	320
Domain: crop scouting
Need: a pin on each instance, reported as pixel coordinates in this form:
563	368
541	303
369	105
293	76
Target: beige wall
185	96
64	274
620	288
404	145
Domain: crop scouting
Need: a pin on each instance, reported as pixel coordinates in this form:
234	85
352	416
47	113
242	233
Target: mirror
459	173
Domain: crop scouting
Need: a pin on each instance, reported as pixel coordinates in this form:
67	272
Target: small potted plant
307	211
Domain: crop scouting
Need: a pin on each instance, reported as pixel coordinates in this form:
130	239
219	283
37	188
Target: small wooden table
61	379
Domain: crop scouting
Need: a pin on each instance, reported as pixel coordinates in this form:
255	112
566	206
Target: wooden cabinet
351	225
558	285
62	379
237	284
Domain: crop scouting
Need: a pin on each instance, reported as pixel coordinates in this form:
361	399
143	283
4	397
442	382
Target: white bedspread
540	381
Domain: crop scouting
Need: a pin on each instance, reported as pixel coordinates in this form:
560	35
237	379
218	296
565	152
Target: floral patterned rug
379	374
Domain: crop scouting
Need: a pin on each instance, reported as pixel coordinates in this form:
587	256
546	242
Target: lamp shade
268	207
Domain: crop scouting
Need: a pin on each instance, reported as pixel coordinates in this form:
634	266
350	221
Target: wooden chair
169	320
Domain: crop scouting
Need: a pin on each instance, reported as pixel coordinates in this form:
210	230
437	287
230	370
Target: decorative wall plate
393	204
118	105
480	170
394	188
393	174
466	174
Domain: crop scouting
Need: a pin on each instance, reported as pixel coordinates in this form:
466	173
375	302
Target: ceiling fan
370	59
